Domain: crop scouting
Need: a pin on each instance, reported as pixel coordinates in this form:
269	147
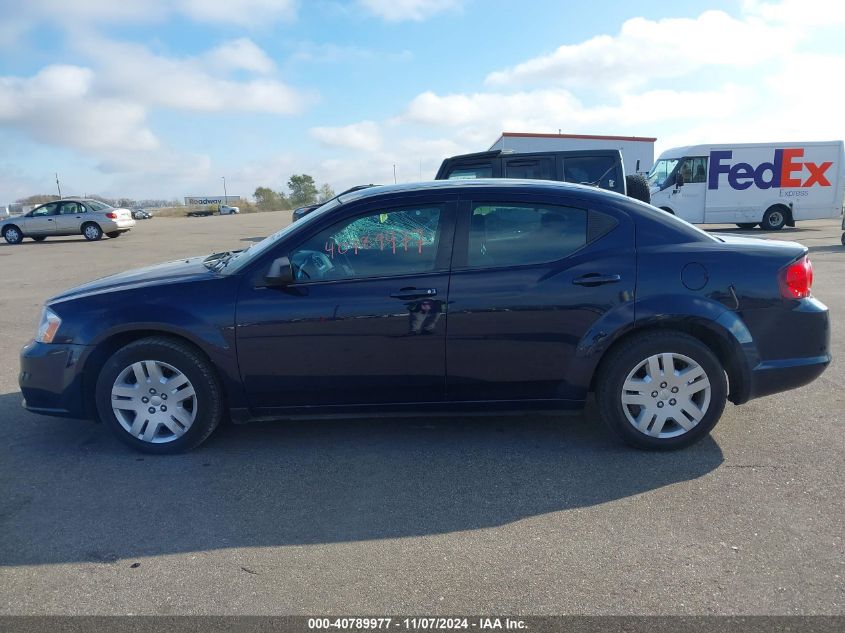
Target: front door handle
595	279
414	293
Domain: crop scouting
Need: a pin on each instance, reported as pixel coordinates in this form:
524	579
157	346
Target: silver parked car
69	216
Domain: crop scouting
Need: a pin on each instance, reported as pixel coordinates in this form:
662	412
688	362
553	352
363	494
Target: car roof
475	184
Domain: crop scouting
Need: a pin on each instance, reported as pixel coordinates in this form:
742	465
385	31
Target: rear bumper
51	379
782	375
793	347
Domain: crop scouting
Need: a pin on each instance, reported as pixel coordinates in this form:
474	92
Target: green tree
326	192
266	198
302	190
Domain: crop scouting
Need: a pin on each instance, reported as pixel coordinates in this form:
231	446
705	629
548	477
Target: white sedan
69	216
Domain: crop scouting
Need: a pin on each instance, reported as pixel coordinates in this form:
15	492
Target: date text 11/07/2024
418	623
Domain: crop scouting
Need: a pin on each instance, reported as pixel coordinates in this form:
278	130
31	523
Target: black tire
746	225
667	210
842	239
12	234
774	219
622	360
184	358
91	231
637	187
114	234
39	238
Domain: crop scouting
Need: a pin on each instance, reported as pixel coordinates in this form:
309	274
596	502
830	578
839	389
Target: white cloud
364	136
57	106
646	50
240	54
192	83
409	10
241	12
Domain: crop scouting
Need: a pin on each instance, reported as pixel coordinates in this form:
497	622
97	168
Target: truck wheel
746	225
637	188
774	219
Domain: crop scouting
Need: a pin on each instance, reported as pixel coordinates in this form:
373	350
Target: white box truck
770	184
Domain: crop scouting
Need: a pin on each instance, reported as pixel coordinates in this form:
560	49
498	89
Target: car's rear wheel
12	235
114	234
159	395
662	390
39	238
774	219
746	225
92	232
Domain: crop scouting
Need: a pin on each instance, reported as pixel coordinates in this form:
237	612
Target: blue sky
164	97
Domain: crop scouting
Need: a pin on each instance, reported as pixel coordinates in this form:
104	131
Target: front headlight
48	326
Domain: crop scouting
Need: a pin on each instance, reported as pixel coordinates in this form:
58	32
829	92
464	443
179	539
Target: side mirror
280	273
679	179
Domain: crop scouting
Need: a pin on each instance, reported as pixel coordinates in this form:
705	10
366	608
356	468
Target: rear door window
516	234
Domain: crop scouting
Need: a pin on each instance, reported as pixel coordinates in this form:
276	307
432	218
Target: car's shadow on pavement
71	492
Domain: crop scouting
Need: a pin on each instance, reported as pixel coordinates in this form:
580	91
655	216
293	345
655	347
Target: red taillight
796	280
111	215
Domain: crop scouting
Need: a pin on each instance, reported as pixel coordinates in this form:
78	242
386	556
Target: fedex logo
786	170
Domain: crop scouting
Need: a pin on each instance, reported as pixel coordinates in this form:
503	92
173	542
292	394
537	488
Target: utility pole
394	173
225	196
58	185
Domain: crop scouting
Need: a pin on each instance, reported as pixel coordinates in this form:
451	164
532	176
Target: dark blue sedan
486	295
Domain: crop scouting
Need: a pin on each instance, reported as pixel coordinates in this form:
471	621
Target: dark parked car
485	295
601	168
141	214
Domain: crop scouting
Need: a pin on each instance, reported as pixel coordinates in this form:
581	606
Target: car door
42	220
365	321
71	216
534	168
533	277
691	195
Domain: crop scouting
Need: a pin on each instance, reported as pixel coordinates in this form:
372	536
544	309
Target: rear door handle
414	293
595	279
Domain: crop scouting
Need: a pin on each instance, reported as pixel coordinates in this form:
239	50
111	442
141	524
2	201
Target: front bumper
51	379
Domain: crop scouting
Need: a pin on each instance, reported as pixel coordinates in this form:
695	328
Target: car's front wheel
661	390
159	395
12	235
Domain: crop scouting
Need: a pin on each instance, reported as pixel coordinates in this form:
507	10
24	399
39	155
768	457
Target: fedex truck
766	184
